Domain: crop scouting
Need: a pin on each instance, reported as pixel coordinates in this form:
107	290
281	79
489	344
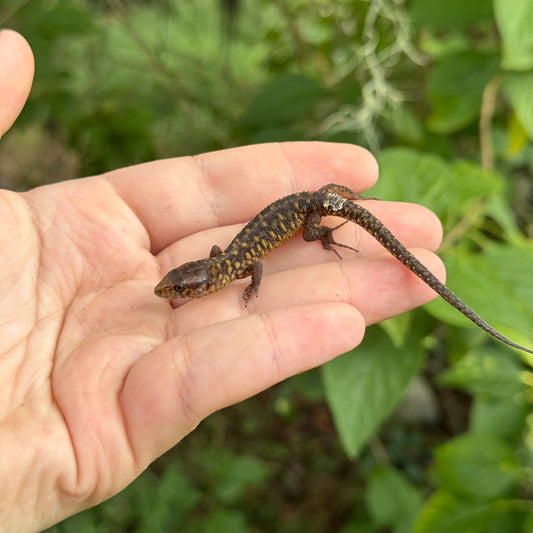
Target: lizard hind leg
328	242
314	232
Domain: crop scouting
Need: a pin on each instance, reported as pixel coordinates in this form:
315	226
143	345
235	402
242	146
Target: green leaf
515	20
528	523
478	466
160	504
500	274
446	512
276	134
504	418
283	99
223	521
392	500
449	190
53	20
397	328
517	137
231	475
471	179
502	214
455	89
363	386
85	522
518	89
410	176
449	15
405	124
487	372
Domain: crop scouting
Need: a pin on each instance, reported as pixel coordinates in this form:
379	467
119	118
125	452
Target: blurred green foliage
441	92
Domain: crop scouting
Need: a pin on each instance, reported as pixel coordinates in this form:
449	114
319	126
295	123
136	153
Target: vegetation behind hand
441	92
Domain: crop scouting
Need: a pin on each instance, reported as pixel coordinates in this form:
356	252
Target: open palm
98	376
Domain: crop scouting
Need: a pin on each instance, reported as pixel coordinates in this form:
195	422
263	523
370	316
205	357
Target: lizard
281	220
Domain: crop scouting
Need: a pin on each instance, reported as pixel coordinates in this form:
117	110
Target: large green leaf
515	22
446	512
486	372
364	385
282	99
449	15
455	89
448	189
392	500
497	284
229	475
503	417
476	465
222	521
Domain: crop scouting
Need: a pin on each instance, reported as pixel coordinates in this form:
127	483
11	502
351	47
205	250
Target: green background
441	92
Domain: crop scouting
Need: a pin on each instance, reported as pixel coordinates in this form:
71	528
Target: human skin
98	376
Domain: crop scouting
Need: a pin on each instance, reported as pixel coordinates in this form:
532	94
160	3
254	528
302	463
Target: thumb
16	75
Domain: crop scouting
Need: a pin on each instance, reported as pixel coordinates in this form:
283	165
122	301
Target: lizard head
190	280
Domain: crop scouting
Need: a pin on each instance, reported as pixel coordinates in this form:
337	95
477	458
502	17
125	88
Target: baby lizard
280	221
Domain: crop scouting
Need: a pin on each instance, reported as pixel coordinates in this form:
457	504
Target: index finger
16	75
177	197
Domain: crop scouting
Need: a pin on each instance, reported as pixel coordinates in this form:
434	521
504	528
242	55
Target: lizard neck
222	270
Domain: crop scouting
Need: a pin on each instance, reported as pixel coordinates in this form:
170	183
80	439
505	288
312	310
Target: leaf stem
488	103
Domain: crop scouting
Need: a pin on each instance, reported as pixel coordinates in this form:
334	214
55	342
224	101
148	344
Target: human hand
98	376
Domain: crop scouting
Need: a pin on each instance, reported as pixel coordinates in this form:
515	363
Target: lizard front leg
256	271
216	250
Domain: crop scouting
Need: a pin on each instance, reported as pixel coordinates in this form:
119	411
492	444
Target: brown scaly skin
281	220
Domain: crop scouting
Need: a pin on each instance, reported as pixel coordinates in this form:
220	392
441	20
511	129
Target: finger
16	75
412	224
172	388
379	286
176	197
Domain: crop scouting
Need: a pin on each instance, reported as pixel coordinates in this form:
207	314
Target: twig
488	103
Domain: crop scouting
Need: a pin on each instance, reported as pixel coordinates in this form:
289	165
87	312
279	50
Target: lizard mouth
164	290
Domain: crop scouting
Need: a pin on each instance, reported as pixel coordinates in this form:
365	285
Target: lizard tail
366	220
